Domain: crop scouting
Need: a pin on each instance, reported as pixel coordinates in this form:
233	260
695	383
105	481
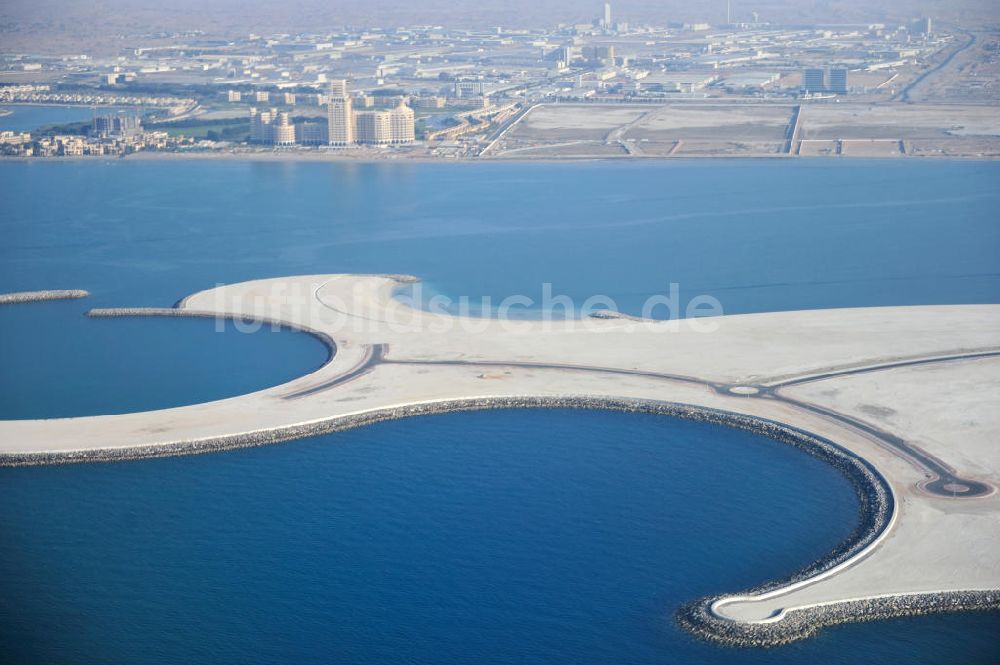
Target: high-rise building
602	54
271	128
606	23
837	81
259	123
340	115
814	80
373	127
234	95
311	133
282	130
384	127
261	96
832	80
401	124
923	26
338	88
104	126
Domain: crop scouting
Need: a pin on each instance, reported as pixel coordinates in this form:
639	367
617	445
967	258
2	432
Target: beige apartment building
386	127
347	126
340	115
271	127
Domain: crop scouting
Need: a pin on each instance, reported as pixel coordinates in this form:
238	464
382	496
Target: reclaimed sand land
720	129
906	390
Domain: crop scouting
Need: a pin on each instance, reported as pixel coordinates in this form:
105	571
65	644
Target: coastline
306	157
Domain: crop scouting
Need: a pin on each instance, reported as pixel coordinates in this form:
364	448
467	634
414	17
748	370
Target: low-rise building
429	102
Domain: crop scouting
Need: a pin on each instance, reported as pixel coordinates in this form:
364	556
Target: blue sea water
57	363
758	235
493	537
28	117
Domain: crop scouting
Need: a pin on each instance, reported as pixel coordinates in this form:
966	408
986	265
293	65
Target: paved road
904	94
945	482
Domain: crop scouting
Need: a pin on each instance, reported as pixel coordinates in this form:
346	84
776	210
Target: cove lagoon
543	536
535	536
29	117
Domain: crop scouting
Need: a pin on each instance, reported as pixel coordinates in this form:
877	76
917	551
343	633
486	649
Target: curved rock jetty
804	623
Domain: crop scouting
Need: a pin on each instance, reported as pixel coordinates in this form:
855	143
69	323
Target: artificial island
899	399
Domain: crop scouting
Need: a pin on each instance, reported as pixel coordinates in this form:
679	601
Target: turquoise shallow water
491	537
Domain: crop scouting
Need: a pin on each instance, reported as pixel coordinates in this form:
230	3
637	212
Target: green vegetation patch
222	129
65	129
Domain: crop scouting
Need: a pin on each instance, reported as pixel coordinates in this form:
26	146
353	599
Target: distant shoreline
397	159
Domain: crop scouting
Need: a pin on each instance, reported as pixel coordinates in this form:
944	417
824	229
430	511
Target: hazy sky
87	22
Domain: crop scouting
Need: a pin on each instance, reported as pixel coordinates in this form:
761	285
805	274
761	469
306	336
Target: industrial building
815	80
837	81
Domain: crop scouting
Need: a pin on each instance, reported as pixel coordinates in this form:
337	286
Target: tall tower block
340	114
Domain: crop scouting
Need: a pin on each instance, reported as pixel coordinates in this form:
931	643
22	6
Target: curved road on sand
944	483
904	94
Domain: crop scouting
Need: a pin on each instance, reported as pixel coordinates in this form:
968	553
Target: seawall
39	296
872	491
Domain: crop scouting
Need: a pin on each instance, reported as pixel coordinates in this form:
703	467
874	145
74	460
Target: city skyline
490	93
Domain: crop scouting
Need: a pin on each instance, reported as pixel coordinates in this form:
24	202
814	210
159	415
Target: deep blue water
499	537
57	363
492	537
